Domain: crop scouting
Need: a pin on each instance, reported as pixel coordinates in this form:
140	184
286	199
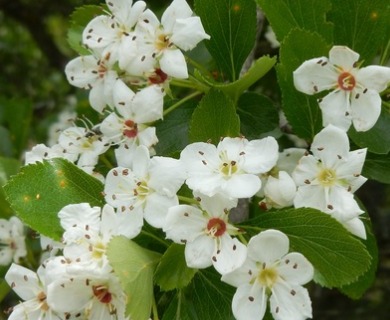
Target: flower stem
385	55
188	200
154	308
4	289
180	102
242	239
197	65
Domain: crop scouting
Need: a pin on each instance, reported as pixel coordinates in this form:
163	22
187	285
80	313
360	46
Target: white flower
88	231
41	152
327	179
89	293
148	189
12	241
270	271
355	91
178	30
86	144
97	75
279	191
32	288
206	234
133	112
65	119
231	168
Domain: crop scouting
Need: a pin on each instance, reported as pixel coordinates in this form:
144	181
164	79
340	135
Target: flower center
102	294
346	81
158	76
327	177
42	299
162	42
216	227
142	190
267	277
98	250
130	129
229	168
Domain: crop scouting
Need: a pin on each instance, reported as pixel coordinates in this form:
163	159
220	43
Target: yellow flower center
327	177
268	276
229	168
98	250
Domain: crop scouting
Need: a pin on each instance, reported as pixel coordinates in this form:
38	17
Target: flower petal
23	281
241	185
178	9
343	57
336	109
249	302
295	269
356	227
260	155
156	208
198	253
174	64
187	33
376	78
229	255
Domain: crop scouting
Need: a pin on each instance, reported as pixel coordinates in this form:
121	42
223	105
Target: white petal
230	254
82	71
306	170
80	215
289	158
351	168
217	204
119	185
311	196
241	185
242	275
148	138
148	104
198	253
329	145
174	64
249	302
336	109
375	78
184	223
23	281
178	9
315	75
343	57
280	191
341	204
187	33
261	155
97	98
268	246
99	34
295	269
141	162
356	227
290	302
366	108
123	97
156	208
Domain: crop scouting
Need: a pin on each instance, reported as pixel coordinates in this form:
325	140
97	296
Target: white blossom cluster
133	55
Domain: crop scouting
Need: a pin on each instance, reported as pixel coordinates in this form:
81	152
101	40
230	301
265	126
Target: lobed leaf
232	27
41	190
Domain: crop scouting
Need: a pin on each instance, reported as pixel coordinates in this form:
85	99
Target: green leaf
214	117
41	190
338	257
78	21
172	272
5	143
362	25
8	167
258	115
302	111
232	27
356	289
134	266
377	139
309	15
207	298
173	130
377	167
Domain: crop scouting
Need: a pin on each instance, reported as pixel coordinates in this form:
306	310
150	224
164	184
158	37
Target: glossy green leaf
310	15
172	272
41	190
377	139
78	21
377	167
362	25
302	111
338	257
232	27
213	118
134	266
258	115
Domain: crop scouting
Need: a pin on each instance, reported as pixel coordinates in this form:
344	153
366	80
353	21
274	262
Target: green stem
4	289
242	239
158	239
197	65
183	83
182	101
188	200
107	162
385	55
154	308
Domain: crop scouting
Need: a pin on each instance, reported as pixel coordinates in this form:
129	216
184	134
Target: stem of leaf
154	308
188	200
106	161
197	65
182	101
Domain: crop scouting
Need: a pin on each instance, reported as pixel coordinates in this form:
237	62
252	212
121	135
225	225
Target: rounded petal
290	302
99	32
295	269
198	253
311	196
141	162
242	275
268	246
315	75
123	97
329	145
336	109
229	255
366	108
343	57
260	155
80	215
23	281
280	191
375	78
174	64
187	33
156	208
356	227
119	185
341	204
148	104
97	97
241	185
217	204
249	302
178	9
306	170
81	71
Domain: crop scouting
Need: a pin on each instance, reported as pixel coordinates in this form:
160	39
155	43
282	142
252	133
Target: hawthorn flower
355	91
327	179
32	288
231	168
206	233
178	30
148	189
42	152
132	113
271	272
12	241
88	231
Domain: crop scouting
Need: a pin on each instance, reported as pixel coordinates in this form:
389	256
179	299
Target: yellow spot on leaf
38	196
236	7
374	15
26	198
60	172
62	183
